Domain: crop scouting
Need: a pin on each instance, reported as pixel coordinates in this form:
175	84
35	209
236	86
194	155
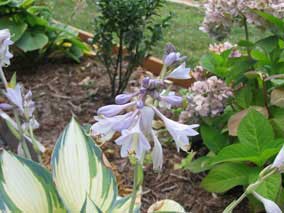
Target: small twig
169	188
180	177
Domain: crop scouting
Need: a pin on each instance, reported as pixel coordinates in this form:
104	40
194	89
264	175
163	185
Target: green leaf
226	176
268	43
31	41
270	187
200	165
240	153
244	97
13	81
26	187
277	121
79	168
213	138
166	206
255	131
16	28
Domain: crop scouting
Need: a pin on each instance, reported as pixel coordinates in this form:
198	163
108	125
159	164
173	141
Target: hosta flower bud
279	160
123	98
112	110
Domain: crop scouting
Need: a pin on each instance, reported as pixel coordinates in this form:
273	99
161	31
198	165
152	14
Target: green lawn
183	32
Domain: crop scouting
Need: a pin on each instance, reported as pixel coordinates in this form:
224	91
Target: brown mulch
63	89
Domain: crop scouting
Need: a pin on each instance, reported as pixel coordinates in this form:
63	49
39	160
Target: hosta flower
14	95
133	141
269	205
172	56
157	153
279	160
134	120
24	103
5	42
180	72
179	132
112	110
170	100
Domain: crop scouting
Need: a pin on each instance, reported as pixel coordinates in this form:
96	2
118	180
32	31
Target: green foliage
226	176
131	26
33	30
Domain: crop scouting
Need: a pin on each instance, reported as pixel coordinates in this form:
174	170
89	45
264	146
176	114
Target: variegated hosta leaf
166	206
26	187
123	205
90	207
78	171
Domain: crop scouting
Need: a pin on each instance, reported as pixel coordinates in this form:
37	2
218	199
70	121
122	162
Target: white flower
157	153
269	205
106	127
179	132
14	95
133	141
180	72
279	160
5	42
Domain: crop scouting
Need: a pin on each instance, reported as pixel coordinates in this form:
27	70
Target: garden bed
63	89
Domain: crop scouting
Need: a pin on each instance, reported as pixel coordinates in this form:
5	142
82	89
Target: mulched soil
62	89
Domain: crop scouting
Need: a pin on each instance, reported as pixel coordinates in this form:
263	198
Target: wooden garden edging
152	64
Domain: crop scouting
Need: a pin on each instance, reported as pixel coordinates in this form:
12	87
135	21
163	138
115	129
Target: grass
183	32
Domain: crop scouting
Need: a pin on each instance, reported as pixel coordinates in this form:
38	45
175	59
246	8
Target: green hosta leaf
78	169
226	176
166	206
123	205
213	139
31	41
16	29
26	187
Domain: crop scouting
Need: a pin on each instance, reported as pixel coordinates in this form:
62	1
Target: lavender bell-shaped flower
14	95
124	98
180	72
112	110
170	100
179	132
269	205
157	153
171	56
106	127
133	141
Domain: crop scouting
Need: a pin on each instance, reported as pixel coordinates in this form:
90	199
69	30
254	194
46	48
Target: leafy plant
126	30
81	180
34	30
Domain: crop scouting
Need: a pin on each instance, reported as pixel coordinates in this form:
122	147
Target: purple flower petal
112	110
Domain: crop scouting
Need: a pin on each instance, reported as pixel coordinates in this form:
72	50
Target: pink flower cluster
222	47
207	98
220	15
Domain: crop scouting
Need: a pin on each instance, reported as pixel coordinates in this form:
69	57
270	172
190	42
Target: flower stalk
138	180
